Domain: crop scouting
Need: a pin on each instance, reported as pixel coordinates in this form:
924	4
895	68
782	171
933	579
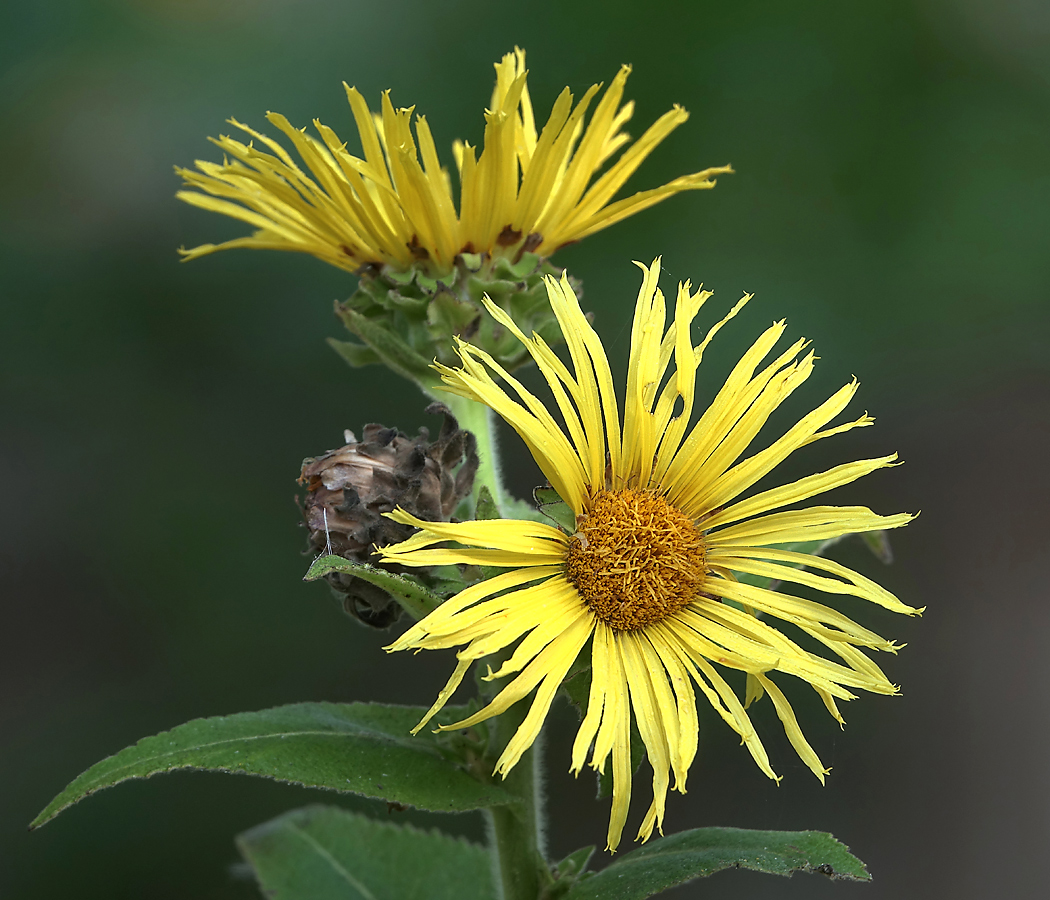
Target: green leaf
446	580
358	748
554	508
674	860
396	300
391	348
575	862
567	872
486	506
878	542
357	355
416	599
326	853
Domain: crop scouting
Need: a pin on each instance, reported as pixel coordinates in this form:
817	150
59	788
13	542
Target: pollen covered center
635	558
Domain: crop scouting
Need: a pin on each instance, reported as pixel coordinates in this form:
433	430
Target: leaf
682	857
567	872
359	748
471	261
486	506
357	355
391	348
575	862
554	508
327	853
878	542
416	599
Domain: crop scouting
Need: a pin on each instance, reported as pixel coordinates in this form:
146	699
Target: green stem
517	843
479	419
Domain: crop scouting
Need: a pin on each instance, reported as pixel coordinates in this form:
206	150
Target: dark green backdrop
892	201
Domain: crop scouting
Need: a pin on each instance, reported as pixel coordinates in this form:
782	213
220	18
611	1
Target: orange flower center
635	558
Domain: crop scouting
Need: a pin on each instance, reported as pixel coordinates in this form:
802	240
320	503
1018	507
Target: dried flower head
349	490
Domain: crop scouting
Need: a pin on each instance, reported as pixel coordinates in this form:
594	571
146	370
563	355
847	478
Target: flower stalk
516	832
481	422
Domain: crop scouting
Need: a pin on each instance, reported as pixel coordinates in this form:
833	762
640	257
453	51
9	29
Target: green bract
407	320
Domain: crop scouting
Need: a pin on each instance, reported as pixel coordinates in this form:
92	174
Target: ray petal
792	730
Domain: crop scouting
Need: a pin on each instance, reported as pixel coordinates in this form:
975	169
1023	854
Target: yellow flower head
524	193
652	575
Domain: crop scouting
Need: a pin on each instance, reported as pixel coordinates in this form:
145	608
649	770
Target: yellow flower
650	576
525	192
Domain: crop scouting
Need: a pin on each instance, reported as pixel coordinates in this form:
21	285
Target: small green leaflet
416	599
555	509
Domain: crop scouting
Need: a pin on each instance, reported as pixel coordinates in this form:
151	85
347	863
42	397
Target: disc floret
635	558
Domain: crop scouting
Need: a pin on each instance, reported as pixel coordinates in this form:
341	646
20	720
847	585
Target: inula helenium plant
661	555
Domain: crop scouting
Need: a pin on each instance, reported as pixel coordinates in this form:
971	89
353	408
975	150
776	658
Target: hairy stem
522	870
480	420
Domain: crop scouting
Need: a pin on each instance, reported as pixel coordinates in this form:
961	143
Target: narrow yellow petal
499	621
797	491
688	723
600	416
738	479
596	699
732	400
585	160
552	656
647	700
550	448
817	523
443	695
554	372
567	647
513	535
856	586
537	181
644	369
602	191
367	130
621	754
753	691
629	206
467	597
617	704
792	730
556	623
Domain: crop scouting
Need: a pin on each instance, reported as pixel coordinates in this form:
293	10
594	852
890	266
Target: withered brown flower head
350	488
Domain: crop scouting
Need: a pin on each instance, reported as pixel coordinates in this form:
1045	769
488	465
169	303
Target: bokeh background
892	200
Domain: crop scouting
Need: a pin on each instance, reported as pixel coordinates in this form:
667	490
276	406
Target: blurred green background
892	200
